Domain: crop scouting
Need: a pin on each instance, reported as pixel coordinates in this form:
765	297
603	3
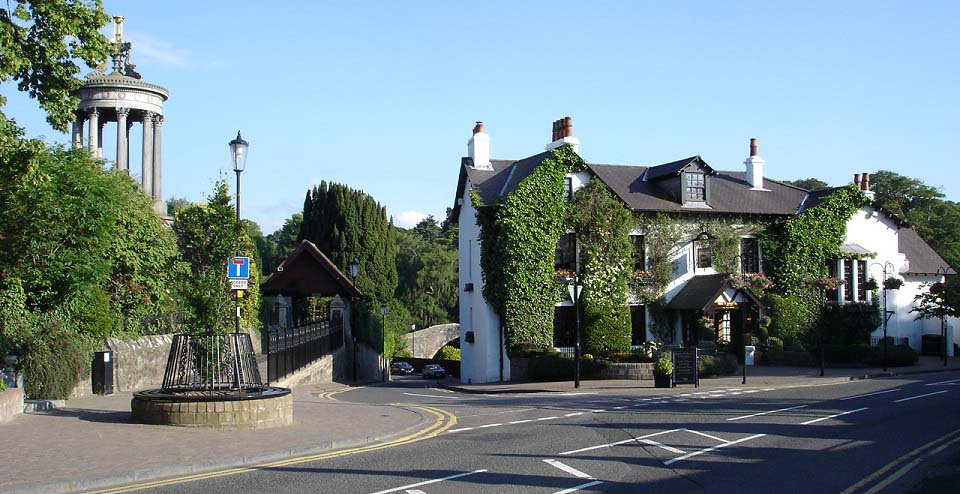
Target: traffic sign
239	284
238	268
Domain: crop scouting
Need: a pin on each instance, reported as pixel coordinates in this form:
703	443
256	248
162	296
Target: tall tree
810	184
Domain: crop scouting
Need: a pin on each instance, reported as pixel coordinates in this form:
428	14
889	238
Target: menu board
685	367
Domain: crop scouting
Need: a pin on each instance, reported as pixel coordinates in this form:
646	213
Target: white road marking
567	468
651	442
945	382
599	410
520	421
488	425
577	488
608	445
704	434
869	394
433	396
920	396
574	414
415	491
461	429
712	448
427	482
832	416
766	413
619	408
545	418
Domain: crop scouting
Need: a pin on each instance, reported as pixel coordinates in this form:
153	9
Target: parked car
401	368
433	371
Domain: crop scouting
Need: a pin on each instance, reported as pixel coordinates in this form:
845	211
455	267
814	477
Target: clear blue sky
383	95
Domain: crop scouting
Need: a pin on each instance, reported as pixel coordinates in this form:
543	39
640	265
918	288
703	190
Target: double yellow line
906	463
329	394
443	421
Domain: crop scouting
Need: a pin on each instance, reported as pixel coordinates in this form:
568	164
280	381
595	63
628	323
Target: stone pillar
100	127
78	131
146	176
93	119
123	157
157	164
129	126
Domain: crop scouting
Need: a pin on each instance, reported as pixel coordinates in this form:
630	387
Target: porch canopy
703	292
307	272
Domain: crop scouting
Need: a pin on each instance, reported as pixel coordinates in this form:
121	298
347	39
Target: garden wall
11	403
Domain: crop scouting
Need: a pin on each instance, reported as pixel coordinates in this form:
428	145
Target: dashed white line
544	418
599	410
944	382
608	445
619	408
671	449
869	394
427	482
488	425
520	421
704	434
567	468
712	448
766	413
577	488
832	416
460	429
415	491
574	414
920	396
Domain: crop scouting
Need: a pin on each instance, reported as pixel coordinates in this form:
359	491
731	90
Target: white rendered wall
480	360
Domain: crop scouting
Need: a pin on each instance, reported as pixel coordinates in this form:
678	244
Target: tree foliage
811	184
347	225
40	43
427	272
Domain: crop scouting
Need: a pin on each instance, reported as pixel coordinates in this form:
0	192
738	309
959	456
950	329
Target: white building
689	188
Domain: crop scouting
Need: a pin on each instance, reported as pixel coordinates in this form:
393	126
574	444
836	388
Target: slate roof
923	259
675	167
307	271
729	192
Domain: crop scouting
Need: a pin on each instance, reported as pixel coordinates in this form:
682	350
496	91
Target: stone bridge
424	343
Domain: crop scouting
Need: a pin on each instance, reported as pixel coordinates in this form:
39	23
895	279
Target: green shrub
707	347
896	356
55	361
559	367
774	343
716	365
789	358
448	352
664	363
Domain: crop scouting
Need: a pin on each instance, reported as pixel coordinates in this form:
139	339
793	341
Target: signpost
685	367
238	273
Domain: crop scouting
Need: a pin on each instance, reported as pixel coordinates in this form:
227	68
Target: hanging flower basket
827	283
751	280
870	284
892	283
564	276
642	278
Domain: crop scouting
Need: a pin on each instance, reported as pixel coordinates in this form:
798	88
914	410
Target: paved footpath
90	442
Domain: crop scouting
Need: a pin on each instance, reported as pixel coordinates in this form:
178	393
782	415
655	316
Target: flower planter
662	380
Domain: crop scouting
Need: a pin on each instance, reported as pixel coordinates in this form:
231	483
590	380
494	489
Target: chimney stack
478	148
865	183
563	134
856	181
754	167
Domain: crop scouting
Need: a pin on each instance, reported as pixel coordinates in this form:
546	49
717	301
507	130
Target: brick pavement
90	443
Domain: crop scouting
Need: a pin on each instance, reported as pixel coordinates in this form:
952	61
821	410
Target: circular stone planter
262	408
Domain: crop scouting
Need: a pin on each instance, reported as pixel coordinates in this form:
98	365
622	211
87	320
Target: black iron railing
291	349
211	363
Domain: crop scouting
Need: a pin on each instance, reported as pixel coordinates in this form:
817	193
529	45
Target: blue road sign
238	268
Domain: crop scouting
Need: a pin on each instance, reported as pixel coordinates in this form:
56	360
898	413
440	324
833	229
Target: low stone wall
642	370
139	364
320	371
243	414
11	403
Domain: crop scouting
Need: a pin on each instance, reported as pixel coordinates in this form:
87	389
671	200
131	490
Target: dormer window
696	188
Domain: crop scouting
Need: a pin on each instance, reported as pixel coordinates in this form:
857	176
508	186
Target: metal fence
291	349
875	341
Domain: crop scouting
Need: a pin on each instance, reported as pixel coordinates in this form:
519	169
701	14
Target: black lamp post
238	152
353	269
943	323
886	313
383	339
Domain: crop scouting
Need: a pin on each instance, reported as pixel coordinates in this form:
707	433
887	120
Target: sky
382	96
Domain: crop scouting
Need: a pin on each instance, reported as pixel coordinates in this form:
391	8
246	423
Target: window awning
857	250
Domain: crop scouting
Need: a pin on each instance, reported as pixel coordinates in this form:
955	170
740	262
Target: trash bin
748	352
103	373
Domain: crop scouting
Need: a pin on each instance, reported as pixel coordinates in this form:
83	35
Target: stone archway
426	342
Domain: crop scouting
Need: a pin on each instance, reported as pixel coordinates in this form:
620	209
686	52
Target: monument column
100	127
78	131
123	150
93	129
146	176
157	162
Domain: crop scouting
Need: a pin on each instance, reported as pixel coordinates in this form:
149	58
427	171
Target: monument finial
121	48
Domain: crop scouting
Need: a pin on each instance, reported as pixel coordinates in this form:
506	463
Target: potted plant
663	371
870	284
892	283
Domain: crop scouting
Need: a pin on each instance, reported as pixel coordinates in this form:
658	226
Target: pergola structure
124	98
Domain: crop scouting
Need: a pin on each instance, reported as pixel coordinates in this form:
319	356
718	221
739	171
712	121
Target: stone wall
425	343
11	403
628	371
139	364
242	414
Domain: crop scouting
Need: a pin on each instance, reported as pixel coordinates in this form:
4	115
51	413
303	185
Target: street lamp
383	339
238	152
738	259
574	290
886	313
943	323
354	269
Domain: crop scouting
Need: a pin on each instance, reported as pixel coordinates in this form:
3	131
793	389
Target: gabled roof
676	167
306	272
701	292
923	259
492	185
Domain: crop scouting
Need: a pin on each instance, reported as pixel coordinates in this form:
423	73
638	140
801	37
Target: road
863	437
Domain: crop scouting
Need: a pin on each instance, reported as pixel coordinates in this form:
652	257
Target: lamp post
383	339
886	313
943	323
238	154
743	336
353	269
